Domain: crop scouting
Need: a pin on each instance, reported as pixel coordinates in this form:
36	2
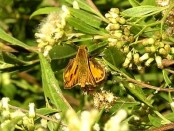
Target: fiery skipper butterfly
83	71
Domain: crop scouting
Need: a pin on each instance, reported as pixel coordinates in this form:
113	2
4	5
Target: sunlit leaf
141	11
6	37
51	87
45	10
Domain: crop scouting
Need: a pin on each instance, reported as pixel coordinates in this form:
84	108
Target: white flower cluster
118	30
51	30
140	53
115	123
24	121
104	99
86	121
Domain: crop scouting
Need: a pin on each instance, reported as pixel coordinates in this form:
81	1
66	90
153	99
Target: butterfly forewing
70	73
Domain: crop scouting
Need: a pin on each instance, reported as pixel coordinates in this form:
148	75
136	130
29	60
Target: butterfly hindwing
97	70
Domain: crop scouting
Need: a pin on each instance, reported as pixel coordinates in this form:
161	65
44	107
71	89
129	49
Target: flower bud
167	47
126	49
136	57
162	51
111	26
129	55
144	57
169	57
4	102
114	10
172	50
65	9
119	44
126	63
158	60
161	44
118	34
108	15
152	49
147	49
122	20
149	61
151	41
32	113
75	5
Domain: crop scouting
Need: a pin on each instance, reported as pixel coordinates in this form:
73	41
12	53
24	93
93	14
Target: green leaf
83	27
45	10
124	104
11	59
95	48
46	111
18	68
83	5
114	56
170	116
141	11
59	64
149	2
51	87
6	37
155	121
166	78
134	3
86	17
62	52
137	92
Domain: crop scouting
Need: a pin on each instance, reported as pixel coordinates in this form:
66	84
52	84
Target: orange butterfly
83	71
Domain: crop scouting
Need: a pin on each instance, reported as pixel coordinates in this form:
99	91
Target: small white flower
158	60
163	2
65	9
129	55
96	127
110	97
136	57
4	102
44	123
75	5
114	123
85	121
136	118
126	63
144	57
149	61
172	104
31	110
17	113
58	116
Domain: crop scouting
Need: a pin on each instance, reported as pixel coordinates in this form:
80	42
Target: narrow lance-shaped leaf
82	26
45	10
141	11
6	37
86	17
51	86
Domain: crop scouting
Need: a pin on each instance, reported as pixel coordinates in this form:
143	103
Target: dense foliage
132	40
